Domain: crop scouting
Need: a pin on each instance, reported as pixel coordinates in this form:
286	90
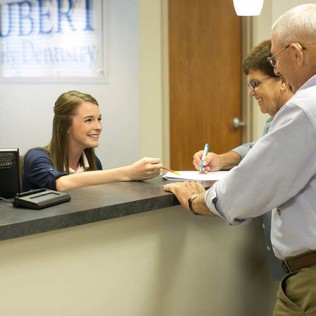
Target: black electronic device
9	173
40	198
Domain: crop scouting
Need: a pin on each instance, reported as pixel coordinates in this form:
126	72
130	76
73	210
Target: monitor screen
9	173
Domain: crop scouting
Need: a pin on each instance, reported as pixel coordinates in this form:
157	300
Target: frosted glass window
52	40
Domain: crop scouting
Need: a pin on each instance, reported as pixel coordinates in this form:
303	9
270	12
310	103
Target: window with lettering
52	40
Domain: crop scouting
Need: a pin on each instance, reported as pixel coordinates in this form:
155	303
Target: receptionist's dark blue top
39	172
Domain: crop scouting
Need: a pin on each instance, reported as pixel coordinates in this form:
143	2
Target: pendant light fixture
248	7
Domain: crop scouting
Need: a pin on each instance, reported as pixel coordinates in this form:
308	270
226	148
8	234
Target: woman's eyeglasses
256	83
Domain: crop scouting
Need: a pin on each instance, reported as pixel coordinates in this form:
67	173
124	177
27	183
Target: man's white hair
297	24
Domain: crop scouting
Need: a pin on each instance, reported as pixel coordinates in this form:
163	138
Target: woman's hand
145	168
212	162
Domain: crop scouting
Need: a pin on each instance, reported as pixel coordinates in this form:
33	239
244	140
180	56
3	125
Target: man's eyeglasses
256	83
272	60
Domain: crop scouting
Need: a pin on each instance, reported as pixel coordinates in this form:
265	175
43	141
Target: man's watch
190	200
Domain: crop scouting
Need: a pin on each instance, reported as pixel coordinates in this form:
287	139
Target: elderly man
279	173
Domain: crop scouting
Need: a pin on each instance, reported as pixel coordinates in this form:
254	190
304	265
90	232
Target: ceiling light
248	7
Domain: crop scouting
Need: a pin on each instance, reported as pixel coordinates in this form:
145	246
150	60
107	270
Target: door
205	78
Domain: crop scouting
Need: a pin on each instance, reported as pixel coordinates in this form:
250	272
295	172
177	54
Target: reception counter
129	249
87	205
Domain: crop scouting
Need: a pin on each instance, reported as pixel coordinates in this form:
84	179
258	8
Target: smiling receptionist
69	160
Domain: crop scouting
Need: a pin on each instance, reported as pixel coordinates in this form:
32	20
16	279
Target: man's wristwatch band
190	200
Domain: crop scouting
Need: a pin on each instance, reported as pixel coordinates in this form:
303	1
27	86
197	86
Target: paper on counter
196	176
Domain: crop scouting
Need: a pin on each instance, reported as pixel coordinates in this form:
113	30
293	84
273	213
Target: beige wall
151	58
161	263
154	83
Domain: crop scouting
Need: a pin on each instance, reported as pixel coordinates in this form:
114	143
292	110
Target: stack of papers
195	175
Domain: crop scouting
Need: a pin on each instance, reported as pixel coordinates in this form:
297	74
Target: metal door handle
237	123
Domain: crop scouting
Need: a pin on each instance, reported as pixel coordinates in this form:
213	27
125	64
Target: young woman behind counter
69	160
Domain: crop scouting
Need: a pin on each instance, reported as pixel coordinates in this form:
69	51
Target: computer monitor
9	173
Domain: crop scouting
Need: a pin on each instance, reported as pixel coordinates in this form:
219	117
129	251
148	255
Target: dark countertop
87	205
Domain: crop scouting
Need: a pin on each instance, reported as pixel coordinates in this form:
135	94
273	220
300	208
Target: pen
170	170
205	151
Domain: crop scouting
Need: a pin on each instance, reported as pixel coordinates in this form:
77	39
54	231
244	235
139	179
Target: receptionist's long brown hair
65	107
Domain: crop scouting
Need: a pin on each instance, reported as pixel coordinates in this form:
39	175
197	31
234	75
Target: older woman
271	93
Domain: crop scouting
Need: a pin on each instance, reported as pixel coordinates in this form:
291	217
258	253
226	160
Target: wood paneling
205	78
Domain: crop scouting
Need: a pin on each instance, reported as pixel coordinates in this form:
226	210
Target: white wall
27	109
280	6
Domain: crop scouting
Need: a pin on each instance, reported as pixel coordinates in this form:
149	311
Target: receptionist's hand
145	168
